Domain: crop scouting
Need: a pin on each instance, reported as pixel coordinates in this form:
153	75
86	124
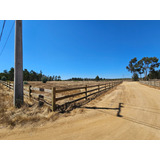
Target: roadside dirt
139	118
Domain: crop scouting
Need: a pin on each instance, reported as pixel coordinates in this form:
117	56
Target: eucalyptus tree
139	67
134	67
144	66
149	64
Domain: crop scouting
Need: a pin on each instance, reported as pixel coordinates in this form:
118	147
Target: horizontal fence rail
7	84
53	96
155	83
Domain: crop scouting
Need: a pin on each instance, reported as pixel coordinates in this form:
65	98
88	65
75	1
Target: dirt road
138	118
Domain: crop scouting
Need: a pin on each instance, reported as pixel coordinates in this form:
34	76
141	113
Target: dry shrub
29	113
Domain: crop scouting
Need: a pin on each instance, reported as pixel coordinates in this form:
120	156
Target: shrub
25	82
135	77
3	78
97	78
44	79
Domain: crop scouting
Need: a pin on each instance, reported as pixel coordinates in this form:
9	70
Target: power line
7	39
2	29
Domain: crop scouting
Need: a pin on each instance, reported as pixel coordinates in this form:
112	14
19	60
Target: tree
5	71
3	78
11	74
50	78
149	64
135	77
139	67
97	78
6	74
145	65
154	74
59	78
39	76
26	75
44	79
33	75
132	67
154	63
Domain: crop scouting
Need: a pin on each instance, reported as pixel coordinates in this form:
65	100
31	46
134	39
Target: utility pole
18	66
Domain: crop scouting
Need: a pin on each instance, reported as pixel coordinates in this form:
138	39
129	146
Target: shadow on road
118	109
124	117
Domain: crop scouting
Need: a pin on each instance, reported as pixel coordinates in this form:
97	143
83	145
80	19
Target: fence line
155	83
88	91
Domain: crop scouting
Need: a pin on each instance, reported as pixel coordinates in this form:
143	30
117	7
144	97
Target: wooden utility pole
18	65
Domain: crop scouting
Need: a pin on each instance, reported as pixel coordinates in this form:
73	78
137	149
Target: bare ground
140	118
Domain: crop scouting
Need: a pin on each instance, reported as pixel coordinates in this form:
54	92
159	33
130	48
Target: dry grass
29	114
63	84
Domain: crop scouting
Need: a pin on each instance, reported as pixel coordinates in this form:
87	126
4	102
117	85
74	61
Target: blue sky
82	48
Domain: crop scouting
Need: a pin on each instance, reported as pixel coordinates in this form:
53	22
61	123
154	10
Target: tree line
34	76
28	76
146	66
97	78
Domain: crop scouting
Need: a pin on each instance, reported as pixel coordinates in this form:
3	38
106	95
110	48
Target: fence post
98	88
29	90
53	98
105	86
9	85
86	91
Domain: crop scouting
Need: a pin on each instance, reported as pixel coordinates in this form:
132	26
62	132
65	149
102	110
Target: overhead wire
7	39
2	29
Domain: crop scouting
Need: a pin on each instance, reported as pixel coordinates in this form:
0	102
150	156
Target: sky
81	48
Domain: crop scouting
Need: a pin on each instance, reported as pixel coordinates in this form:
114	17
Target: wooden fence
8	84
52	96
155	83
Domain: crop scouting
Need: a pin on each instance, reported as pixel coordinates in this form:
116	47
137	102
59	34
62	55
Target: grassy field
64	84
